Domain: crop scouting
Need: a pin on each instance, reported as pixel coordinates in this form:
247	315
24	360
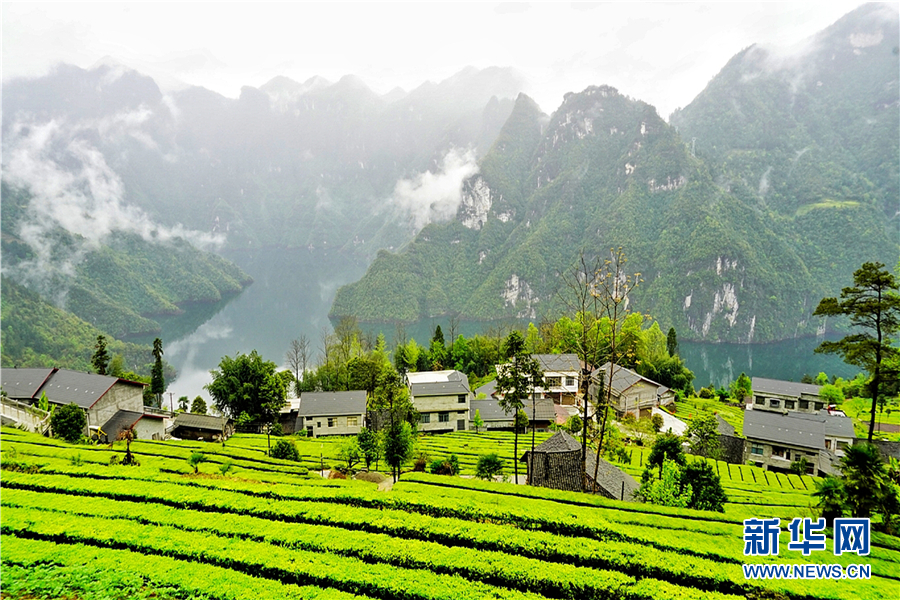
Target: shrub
657	421
276	429
68	423
420	463
799	466
285	450
489	466
706	393
448	466
705	485
225	467
195	459
629	419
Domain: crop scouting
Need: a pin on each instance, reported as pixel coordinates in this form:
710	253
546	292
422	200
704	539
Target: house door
309	432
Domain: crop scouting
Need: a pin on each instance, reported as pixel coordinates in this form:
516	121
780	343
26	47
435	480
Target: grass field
75	526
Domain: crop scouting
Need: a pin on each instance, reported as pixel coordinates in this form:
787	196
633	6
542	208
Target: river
292	294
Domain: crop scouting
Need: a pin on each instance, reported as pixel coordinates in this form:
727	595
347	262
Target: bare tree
297	357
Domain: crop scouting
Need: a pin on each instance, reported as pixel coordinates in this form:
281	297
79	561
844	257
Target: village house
562	375
331	413
100	396
146	425
776	440
442	399
556	464
207	428
631	393
781	396
541	415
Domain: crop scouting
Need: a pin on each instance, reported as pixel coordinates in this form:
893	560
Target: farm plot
213	536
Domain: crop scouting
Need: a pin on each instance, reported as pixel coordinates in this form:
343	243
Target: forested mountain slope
723	257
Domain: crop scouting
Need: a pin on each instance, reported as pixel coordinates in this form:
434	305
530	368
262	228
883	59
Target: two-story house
562	375
442	399
780	396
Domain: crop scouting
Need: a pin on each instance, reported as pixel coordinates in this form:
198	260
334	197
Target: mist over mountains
754	201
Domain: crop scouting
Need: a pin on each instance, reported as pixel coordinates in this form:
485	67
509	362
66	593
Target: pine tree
100	358
157	381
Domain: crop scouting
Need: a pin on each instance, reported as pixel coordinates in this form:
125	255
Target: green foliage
285	449
657	421
831	498
574	425
369	445
198	406
831	394
477	421
398	446
666	447
489	466
873	308
665	489
247	384
183	403
672	342
68	423
195	459
100	358
448	466
799	466
350	452
741	388
703	436
705	486
864	474
225	467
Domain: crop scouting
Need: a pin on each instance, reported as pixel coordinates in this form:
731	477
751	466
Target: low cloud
435	196
72	188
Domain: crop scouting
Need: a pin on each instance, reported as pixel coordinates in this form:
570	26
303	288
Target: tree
515	380
247	385
349	452
368	445
398	446
477	421
183	403
666	447
128	436
117	367
657	422
705	485
831	394
297	357
198	406
195	459
830	493
574	425
873	306
157	381
68	422
864	477
703	436
285	450
489	466
665	489
672	342
741	388
100	358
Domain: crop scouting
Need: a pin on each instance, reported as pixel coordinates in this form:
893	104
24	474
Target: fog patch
432	197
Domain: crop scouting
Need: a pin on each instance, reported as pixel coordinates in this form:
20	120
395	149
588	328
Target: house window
775	403
789	404
460	424
552	381
570	381
781	452
332	421
756	449
425	418
819	406
444	417
804	404
352	421
318	423
461	399
759	400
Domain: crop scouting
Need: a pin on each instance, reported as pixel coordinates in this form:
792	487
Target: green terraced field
270	529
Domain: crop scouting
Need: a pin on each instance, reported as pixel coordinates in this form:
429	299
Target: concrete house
775	440
100	396
562	375
780	396
146	426
631	393
331	413
442	398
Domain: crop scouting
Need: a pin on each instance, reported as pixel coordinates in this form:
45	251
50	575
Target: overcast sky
663	53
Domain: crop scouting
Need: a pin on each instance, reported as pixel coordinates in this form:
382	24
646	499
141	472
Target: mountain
737	234
310	164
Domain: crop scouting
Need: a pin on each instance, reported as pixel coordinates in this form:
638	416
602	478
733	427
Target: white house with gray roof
631	392
442	399
562	376
784	396
541	415
331	413
775	440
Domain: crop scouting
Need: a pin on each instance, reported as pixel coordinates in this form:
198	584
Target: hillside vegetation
271	530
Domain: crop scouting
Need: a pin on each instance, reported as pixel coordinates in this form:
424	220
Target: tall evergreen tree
672	342
100	358
157	381
873	306
515	379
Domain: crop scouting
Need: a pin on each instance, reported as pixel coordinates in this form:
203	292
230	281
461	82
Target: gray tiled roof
318	404
611	478
559	442
784	428
194	421
723	427
490	410
487	389
558	362
122	420
623	378
84	389
835	426
454	384
23	384
761	385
